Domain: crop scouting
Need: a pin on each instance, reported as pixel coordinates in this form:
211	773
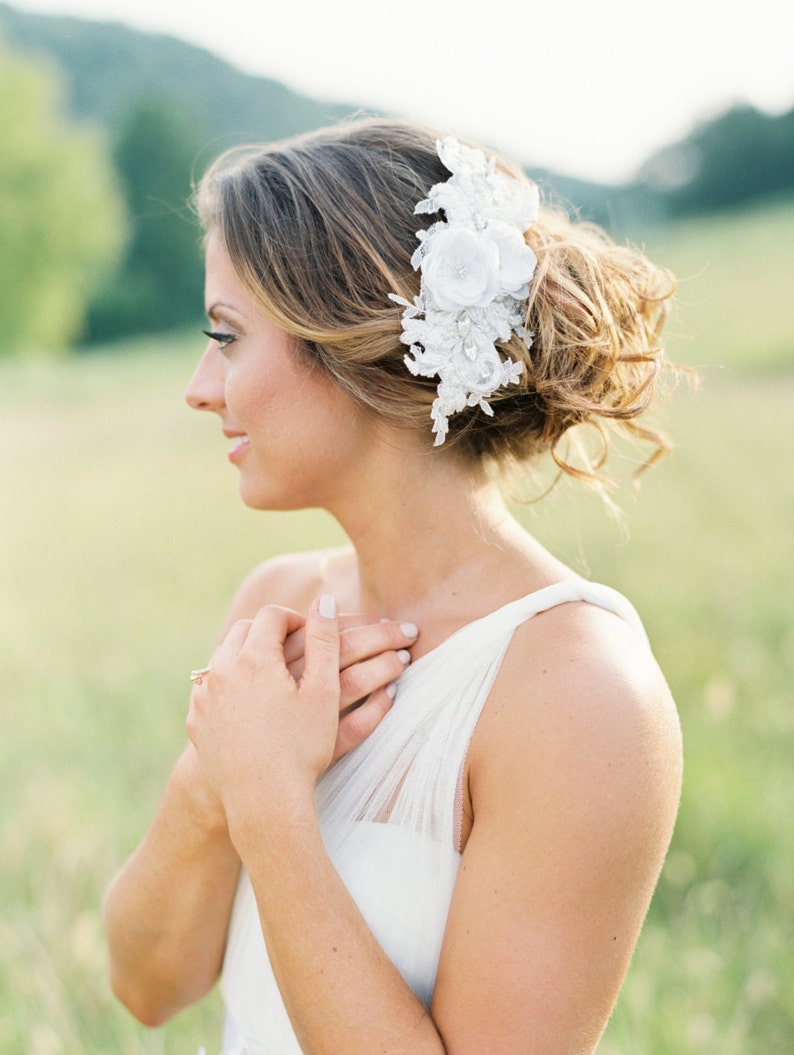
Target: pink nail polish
327	606
391	690
409	629
404	656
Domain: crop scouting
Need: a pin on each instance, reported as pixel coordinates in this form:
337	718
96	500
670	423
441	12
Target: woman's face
297	438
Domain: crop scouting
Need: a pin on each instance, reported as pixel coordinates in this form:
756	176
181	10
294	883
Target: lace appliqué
476	269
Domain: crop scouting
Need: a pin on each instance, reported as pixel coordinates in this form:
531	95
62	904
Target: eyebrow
212	310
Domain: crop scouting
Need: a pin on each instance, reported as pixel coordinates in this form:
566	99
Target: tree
159	282
61	215
738	157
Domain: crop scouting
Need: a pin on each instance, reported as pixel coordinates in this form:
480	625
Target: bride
431	777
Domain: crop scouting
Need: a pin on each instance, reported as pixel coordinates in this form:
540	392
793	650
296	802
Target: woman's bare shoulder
581	666
290	579
581	695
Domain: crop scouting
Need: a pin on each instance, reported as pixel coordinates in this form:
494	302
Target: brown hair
321	229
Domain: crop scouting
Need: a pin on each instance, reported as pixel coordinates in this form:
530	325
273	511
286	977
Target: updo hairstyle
321	229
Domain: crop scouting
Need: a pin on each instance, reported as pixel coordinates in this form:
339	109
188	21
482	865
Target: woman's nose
205	388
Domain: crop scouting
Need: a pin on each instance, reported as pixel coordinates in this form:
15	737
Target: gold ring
197	676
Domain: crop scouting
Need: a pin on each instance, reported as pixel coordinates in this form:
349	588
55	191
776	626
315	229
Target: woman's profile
432	776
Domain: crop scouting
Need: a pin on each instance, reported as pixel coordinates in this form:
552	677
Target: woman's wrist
274	823
199	803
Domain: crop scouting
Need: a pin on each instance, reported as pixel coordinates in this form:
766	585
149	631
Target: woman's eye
223	339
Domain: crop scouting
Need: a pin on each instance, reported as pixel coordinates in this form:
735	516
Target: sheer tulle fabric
390	817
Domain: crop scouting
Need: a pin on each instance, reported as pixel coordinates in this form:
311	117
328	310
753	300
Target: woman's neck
434	543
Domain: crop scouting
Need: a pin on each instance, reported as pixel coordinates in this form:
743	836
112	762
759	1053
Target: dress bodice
390	816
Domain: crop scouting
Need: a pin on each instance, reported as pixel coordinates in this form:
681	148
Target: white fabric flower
516	260
476	268
461	269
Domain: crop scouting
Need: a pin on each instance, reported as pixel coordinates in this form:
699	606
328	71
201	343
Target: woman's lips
239	447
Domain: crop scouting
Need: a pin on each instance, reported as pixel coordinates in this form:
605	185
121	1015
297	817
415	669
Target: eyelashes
223	339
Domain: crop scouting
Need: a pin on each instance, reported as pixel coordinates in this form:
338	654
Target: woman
435	826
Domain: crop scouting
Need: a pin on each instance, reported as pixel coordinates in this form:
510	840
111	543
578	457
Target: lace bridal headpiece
476	269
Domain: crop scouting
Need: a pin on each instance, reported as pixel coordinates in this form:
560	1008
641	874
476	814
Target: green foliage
740	156
160	281
196	104
61	217
106	64
208	105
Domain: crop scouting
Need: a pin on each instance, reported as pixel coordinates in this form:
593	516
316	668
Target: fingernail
409	629
391	690
404	656
327	606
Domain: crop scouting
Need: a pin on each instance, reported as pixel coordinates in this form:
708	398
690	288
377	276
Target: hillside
740	156
108	66
111	73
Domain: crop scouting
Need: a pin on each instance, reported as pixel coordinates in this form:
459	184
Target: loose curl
321	229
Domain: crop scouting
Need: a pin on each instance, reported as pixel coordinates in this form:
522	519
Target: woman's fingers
361	638
236	636
371	654
362	721
294	648
362	679
359	642
267	631
372	657
321	662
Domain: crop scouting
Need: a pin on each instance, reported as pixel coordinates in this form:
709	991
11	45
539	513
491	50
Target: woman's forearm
166	912
343	994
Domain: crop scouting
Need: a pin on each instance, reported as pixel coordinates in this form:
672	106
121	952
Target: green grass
735	280
122	537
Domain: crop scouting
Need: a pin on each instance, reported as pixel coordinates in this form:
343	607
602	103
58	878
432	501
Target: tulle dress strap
389	813
517	612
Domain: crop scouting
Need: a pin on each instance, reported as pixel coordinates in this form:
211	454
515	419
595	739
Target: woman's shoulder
580	697
290	579
591	665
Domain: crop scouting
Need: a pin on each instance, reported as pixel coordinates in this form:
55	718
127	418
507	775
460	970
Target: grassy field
121	538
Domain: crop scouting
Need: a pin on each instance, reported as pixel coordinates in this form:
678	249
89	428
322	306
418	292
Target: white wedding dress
390	817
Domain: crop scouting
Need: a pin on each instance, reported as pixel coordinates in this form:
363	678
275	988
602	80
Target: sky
586	89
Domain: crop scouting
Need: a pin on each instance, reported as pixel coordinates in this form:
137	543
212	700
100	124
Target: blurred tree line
104	242
97	163
739	156
62	218
158	281
97	238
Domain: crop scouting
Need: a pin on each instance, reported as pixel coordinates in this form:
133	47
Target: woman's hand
274	712
372	655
